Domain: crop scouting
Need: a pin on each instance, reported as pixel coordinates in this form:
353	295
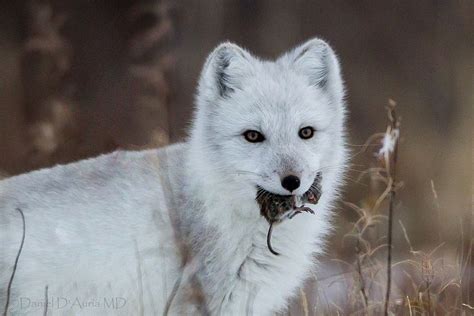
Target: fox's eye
253	136
306	132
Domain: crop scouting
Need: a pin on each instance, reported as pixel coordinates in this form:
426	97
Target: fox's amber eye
253	136
306	132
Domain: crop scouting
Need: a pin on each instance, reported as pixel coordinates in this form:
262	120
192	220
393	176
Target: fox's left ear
317	61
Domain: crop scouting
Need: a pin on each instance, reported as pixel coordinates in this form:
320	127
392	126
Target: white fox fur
115	234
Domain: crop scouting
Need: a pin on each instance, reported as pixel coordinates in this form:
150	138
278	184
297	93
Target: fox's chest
244	274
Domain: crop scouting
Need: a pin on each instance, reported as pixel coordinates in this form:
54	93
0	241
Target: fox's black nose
290	183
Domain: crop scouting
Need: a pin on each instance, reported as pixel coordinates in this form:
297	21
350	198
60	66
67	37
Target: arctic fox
179	230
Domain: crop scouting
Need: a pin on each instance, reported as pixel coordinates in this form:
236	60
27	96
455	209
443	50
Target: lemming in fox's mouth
273	206
276	208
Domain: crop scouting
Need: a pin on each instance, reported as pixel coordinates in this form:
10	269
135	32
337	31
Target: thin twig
169	302
361	277
428	293
304	302
139	278
392	172
45	311
7	303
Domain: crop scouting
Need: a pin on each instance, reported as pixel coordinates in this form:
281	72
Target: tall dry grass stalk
421	282
15	265
389	151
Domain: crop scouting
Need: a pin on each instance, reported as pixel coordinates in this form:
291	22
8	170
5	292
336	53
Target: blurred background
81	78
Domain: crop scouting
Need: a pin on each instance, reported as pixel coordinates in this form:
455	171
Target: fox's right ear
224	70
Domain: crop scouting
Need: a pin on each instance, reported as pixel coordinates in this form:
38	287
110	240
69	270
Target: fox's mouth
275	208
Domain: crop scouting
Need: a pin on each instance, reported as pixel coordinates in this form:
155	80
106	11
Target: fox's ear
318	62
224	70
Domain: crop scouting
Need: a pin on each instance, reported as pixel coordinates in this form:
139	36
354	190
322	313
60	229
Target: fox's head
269	124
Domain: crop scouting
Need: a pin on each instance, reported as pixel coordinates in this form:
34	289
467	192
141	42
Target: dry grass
419	282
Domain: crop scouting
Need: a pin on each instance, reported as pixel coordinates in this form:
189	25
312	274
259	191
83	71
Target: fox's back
97	219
